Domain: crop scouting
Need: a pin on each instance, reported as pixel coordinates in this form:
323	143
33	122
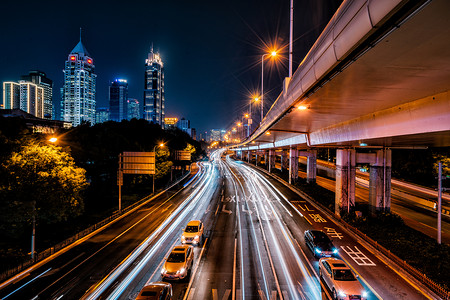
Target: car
340	279
179	263
156	291
193	233
320	244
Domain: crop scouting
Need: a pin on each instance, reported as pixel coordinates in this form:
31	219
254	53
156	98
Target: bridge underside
395	95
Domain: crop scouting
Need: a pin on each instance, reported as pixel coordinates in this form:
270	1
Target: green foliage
44	176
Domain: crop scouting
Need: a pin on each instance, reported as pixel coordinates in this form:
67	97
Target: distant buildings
170	123
24	95
78	92
214	135
118	100
184	124
154	89
102	115
132	109
40	79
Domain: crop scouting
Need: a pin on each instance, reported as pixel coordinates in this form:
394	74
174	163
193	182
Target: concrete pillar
266	158
311	166
256	158
249	157
284	160
380	182
271	161
293	165
345	180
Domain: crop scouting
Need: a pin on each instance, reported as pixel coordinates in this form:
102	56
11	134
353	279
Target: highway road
254	247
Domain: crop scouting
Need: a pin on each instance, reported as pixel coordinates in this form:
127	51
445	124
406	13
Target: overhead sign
137	163
183	155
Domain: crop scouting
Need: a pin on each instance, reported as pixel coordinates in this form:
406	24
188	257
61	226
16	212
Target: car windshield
344	275
191	229
176	257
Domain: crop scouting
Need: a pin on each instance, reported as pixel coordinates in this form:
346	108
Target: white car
340	280
193	233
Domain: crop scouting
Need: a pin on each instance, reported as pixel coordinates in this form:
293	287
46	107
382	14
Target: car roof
336	263
194	223
155	286
181	248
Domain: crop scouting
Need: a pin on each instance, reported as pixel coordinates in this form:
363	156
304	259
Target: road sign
183	155
137	163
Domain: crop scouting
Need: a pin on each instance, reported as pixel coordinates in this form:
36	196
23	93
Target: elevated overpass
377	78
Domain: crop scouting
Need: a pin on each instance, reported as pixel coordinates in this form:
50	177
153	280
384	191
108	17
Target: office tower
184	124
78	94
40	79
154	89
11	95
24	95
214	135
102	115
118	96
132	109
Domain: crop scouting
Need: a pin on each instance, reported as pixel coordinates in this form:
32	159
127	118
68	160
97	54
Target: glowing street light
273	54
53	139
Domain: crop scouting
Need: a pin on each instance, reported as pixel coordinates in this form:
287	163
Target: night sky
211	49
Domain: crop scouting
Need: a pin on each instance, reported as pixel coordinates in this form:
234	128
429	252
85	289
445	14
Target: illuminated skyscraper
118	96
154	89
133	109
24	95
40	79
78	92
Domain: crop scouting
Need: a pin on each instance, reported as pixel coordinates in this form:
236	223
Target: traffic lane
292	277
416	217
215	275
383	280
79	260
152	269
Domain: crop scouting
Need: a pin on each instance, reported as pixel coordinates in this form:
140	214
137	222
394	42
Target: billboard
183	155
137	163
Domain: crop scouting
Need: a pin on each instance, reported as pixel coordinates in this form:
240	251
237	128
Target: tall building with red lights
78	92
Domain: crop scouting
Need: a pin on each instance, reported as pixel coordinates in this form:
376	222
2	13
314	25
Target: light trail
174	219
258	251
256	182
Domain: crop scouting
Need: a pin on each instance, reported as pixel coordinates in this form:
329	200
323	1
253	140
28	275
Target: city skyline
211	52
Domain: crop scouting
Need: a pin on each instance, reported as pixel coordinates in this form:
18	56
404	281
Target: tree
42	177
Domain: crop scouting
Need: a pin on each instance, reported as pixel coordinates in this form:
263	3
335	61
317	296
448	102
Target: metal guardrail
48	252
421	277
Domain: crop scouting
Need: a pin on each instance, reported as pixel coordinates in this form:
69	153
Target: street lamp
273	54
53	139
154	151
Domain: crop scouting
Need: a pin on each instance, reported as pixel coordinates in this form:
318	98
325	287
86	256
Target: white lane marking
360	258
246	211
333	233
226	210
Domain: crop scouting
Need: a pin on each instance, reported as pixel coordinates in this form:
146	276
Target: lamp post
273	54
154	151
